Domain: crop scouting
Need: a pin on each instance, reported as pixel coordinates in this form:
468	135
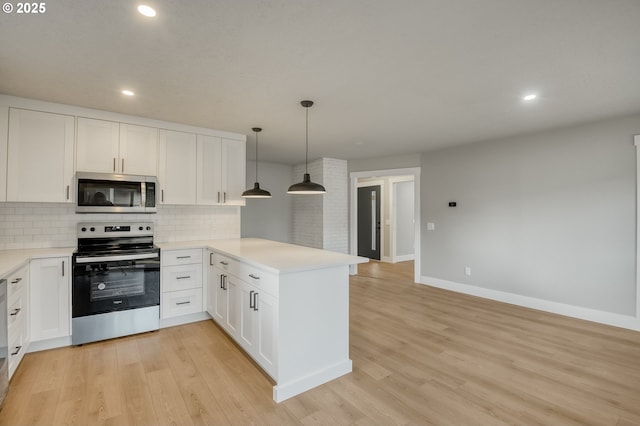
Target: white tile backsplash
44	225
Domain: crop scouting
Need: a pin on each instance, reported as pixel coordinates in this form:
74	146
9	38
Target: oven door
112	283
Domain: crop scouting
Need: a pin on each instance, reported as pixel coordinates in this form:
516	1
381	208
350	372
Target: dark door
369	222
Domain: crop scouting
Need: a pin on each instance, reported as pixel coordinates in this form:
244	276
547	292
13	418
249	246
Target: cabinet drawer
16	282
17	349
181	277
16	311
226	264
181	257
265	281
181	302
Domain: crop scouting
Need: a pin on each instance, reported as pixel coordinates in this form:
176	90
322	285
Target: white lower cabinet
248	312
50	283
181	283
17	316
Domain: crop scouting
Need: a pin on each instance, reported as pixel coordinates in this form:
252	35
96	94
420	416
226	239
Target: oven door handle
116	258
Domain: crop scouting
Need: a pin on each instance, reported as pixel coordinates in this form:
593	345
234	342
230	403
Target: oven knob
92	229
148	228
102	286
84	229
140	228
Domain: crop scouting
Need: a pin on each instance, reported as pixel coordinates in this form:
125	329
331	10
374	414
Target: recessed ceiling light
128	92
529	97
146	10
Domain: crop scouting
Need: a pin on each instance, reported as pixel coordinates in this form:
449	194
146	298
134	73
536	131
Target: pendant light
256	191
306	186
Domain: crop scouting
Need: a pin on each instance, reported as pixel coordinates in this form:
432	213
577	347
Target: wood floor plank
421	356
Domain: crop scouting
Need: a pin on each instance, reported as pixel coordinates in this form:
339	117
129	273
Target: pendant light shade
256	191
306	186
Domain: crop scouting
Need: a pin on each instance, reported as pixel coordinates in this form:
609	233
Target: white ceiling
388	77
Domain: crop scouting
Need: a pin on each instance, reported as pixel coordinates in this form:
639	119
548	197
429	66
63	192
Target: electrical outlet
431	226
467	270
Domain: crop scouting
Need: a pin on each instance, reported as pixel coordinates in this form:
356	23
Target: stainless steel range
116	281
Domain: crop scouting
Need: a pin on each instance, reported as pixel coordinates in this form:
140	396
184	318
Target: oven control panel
110	229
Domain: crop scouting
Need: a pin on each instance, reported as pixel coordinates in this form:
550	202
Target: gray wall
549	215
270	218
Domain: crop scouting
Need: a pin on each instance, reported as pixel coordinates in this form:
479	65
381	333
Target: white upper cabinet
40	156
138	150
110	147
177	167
98	145
220	171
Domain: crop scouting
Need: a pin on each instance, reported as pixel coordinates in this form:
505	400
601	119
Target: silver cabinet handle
222	262
224	281
255	277
68	190
251	306
183	278
162	195
15	312
63	268
123	165
183	257
114	164
183	303
211	259
17	350
218	197
255	301
16	281
224	197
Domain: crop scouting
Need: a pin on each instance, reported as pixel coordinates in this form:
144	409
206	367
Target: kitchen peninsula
287	306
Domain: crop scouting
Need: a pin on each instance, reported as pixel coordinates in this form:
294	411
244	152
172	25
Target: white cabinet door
266	329
97	146
50	298
177	167
220	171
4	130
209	176
138	150
232	286
248	329
233	172
40	156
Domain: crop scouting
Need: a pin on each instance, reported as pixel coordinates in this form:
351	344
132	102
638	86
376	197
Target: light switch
431	226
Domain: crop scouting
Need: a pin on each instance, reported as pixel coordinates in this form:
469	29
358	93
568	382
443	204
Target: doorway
369	221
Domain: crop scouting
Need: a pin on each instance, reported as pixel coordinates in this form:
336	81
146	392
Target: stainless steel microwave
113	193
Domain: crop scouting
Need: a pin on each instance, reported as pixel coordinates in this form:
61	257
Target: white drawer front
16	311
226	264
181	277
181	302
265	281
16	282
17	349
181	257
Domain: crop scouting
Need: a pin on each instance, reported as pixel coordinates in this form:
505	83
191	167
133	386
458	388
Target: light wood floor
421	356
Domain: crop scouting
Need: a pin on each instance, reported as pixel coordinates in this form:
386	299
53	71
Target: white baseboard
284	391
594	315
403	258
43	345
184	319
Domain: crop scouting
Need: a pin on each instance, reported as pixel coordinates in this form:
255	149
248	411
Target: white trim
283	391
43	345
184	319
609	318
393	207
636	142
353	236
403	258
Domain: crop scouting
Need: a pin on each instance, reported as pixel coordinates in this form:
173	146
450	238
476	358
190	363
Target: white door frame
353	211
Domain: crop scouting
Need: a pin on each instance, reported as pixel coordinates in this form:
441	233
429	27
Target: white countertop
271	255
10	260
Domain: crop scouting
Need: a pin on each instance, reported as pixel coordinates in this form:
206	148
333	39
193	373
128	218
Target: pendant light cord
306	154
256	156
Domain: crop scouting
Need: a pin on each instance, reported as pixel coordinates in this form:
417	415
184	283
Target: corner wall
546	220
